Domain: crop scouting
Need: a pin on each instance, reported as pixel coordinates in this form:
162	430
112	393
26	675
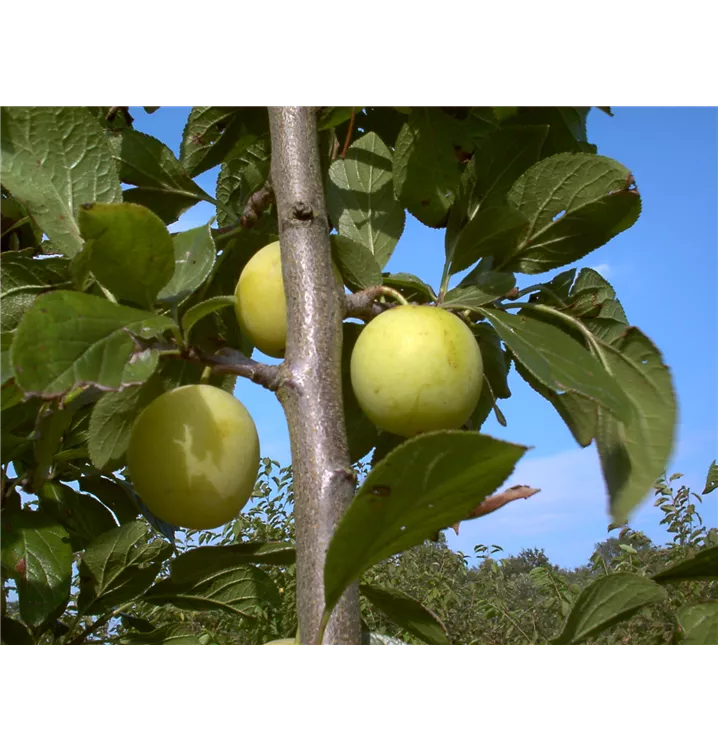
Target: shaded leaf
68	339
83	517
22	279
111	495
567	128
429	482
711	478
702	567
485	287
579	413
150	165
493	232
36	552
360	198
216	583
634	452
118	567
112	419
426	170
129	250
55	159
167	635
213	133
412	287
575	203
558	361
356	263
408	613
52	422
228	555
194	255
699	623
14	633
605	602
362	435
209	306
240	177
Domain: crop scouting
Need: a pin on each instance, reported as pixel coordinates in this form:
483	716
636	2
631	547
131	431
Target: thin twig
112	113
363	304
233	362
347	140
494	502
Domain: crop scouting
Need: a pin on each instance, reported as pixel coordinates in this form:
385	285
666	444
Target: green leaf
111	495
216	583
55	159
151	166
493	232
356	263
194	255
241	177
129	250
112	419
69	339
485	287
167	635
118	567
635	452
711	479
558	361
209	306
702	567
14	633
605	602
84	518
699	623
22	279
412	287
408	613
36	552
360	198
213	133
429	482
575	203
426	169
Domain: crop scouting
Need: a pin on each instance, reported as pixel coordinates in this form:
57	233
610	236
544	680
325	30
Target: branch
348	139
112	113
494	502
232	362
310	390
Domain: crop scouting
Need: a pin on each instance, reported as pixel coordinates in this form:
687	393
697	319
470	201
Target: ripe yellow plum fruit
416	369
261	304
194	456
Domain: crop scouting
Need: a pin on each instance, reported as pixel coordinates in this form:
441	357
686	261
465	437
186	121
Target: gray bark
310	377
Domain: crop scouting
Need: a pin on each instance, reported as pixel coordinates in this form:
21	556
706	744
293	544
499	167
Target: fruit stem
387	291
445	276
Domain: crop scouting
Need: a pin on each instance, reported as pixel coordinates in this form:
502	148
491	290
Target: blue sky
664	270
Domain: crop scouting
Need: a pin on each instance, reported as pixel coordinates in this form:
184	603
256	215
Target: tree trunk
310	381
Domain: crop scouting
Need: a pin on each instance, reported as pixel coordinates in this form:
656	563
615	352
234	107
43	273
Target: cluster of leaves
102	307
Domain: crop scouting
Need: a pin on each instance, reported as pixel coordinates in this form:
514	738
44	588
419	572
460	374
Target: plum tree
261	305
194	456
416	369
